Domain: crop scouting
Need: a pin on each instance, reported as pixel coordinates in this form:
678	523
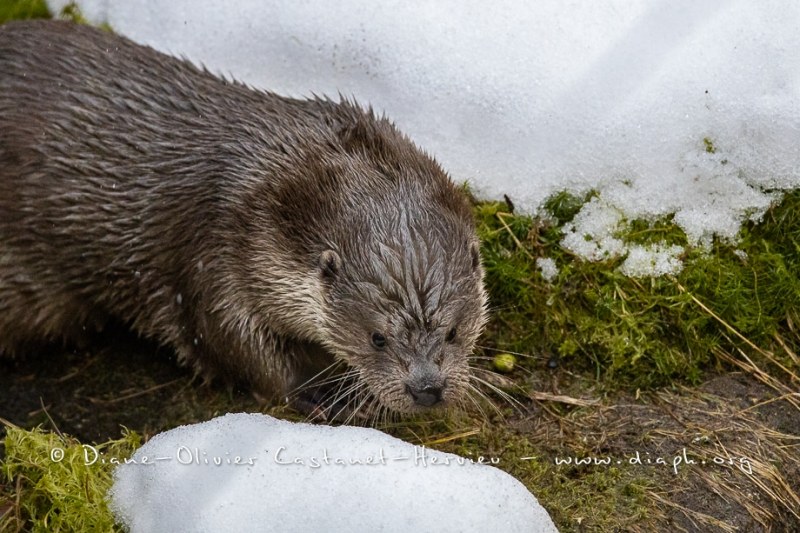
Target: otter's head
390	244
404	295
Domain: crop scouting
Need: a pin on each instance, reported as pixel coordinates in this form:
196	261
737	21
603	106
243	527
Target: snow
592	232
289	487
653	260
547	267
530	98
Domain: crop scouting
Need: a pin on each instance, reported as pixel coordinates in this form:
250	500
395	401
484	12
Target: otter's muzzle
427	397
425	384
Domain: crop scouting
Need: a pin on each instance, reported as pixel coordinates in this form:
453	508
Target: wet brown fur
261	237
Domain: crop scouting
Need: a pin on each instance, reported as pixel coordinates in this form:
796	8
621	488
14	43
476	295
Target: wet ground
121	380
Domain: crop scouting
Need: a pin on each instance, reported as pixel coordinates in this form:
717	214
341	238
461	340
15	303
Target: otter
267	240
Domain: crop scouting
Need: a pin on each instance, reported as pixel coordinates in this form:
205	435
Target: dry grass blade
501	217
747	447
125	397
547	397
450	438
751	368
790	397
695	517
793	356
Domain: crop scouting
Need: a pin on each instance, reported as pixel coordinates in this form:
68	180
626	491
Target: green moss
645	232
563	206
634	333
59	492
72	13
37	9
23	9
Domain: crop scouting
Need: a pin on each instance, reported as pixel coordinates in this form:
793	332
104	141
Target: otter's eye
451	335
378	340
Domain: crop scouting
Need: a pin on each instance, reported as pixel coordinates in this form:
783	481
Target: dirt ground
118	381
123	381
745	445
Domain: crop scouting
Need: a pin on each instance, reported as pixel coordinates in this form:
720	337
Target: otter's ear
329	264
476	256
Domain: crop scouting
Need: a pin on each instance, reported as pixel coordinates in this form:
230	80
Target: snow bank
284	482
529	98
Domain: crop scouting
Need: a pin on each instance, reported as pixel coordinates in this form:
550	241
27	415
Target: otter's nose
426	397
